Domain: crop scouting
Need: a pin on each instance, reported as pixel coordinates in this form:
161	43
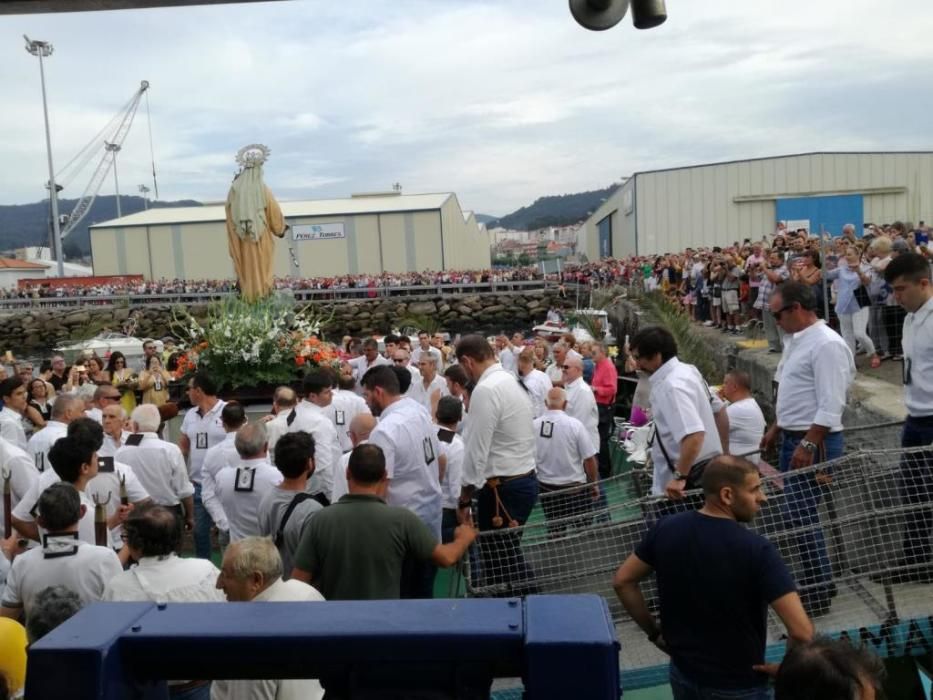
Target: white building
664	211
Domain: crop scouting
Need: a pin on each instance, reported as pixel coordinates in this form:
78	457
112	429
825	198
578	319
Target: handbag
694	478
862	297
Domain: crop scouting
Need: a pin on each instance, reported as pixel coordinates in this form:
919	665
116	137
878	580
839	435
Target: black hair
154	530
88	431
367	464
383	376
474	346
726	470
449	410
652	340
826	669
203	381
457	375
59	505
404	378
9	385
111	361
793	292
911	266
316	381
67	456
233	415
292	452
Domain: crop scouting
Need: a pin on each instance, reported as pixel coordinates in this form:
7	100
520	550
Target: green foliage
556	210
691	346
413	323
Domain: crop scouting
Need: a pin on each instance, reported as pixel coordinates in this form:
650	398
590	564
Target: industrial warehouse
362	234
662	211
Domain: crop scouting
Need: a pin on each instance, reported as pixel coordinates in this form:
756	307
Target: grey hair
256	555
250	440
85	392
556	398
51	607
146	417
63	404
285	397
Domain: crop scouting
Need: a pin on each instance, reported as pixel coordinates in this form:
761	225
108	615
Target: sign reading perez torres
317	232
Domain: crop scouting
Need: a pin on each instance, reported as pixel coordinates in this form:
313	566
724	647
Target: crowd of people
415	456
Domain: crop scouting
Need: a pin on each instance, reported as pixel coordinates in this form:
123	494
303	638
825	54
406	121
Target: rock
420	308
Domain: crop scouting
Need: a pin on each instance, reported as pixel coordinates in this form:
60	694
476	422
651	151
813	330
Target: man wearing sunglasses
813	378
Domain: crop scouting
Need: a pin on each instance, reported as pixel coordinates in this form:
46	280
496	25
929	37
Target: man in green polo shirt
354	549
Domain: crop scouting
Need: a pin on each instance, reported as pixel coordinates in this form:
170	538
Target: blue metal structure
831	212
562	647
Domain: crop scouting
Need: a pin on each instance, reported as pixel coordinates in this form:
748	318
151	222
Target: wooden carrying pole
7	505
101	538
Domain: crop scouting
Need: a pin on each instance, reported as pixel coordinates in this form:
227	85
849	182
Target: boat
553	330
105	343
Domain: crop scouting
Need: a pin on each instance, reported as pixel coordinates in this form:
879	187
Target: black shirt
715	580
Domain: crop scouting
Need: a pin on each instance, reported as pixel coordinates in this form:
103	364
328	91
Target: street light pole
43	49
145	193
115	148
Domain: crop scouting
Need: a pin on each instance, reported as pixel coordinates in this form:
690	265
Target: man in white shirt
345	405
814	376
113	420
566	462
369	359
555	370
153	538
252	571
536	383
310	417
283	402
22	472
498	466
448	415
507	354
425	348
201	429
430	387
746	421
63	559
158	464
581	402
65	409
686	434
909	277
101	397
240	489
360	429
13	394
413	463
222	455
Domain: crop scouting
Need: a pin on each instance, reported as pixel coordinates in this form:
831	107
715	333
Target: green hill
554	210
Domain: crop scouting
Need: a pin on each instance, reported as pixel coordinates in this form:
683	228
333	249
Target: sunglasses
779	312
399	362
566	366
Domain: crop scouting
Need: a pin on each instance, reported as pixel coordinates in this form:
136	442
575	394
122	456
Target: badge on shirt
245	480
200	441
134	439
547	429
55	546
340	417
105	465
445	435
428	447
40	461
906	371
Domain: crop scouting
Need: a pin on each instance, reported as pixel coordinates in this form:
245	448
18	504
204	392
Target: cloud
498	101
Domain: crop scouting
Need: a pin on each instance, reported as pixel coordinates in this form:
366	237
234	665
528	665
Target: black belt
794	433
510	478
922	420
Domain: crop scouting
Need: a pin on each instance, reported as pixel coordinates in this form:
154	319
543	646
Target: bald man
581	402
360	428
566	461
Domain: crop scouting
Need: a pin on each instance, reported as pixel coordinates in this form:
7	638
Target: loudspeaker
648	13
599	15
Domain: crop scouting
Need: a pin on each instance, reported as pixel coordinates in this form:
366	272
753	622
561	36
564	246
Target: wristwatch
679	477
810	447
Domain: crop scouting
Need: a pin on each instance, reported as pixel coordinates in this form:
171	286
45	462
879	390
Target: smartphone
105	465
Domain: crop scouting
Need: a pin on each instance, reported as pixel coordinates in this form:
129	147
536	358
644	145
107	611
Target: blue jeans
685	689
801	509
501	558
917	488
202	525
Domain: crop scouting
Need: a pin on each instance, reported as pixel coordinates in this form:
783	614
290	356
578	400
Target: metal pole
43	49
116	181
145	193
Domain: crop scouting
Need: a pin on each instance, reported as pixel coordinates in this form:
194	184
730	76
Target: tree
71	249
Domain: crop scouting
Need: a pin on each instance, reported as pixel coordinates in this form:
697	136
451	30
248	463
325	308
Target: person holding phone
853	276
124	379
153	381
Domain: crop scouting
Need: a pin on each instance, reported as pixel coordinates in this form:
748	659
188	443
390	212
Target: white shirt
85	569
453	474
562	443
360	365
814	375
341	487
746	428
203	432
219	456
500	440
681	406
291	689
110	446
275	429
95	414
409	441
160	468
581	404
344	407
27	508
23	472
313	420
241	489
509	360
422	395
11	427
918	351
433	352
168	579
555	373
538	385
41	442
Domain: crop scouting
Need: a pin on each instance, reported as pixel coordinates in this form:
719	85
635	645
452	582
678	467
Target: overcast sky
500	101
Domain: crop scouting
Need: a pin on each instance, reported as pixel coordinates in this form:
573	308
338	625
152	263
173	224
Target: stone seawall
41	329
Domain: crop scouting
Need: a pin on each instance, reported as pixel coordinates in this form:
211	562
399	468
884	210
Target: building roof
14	264
362	204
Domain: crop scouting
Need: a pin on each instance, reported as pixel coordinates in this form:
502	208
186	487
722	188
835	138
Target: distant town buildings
542	243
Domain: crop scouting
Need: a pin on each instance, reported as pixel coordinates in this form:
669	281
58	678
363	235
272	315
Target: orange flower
299	360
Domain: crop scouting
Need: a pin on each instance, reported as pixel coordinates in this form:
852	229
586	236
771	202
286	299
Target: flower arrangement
268	341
